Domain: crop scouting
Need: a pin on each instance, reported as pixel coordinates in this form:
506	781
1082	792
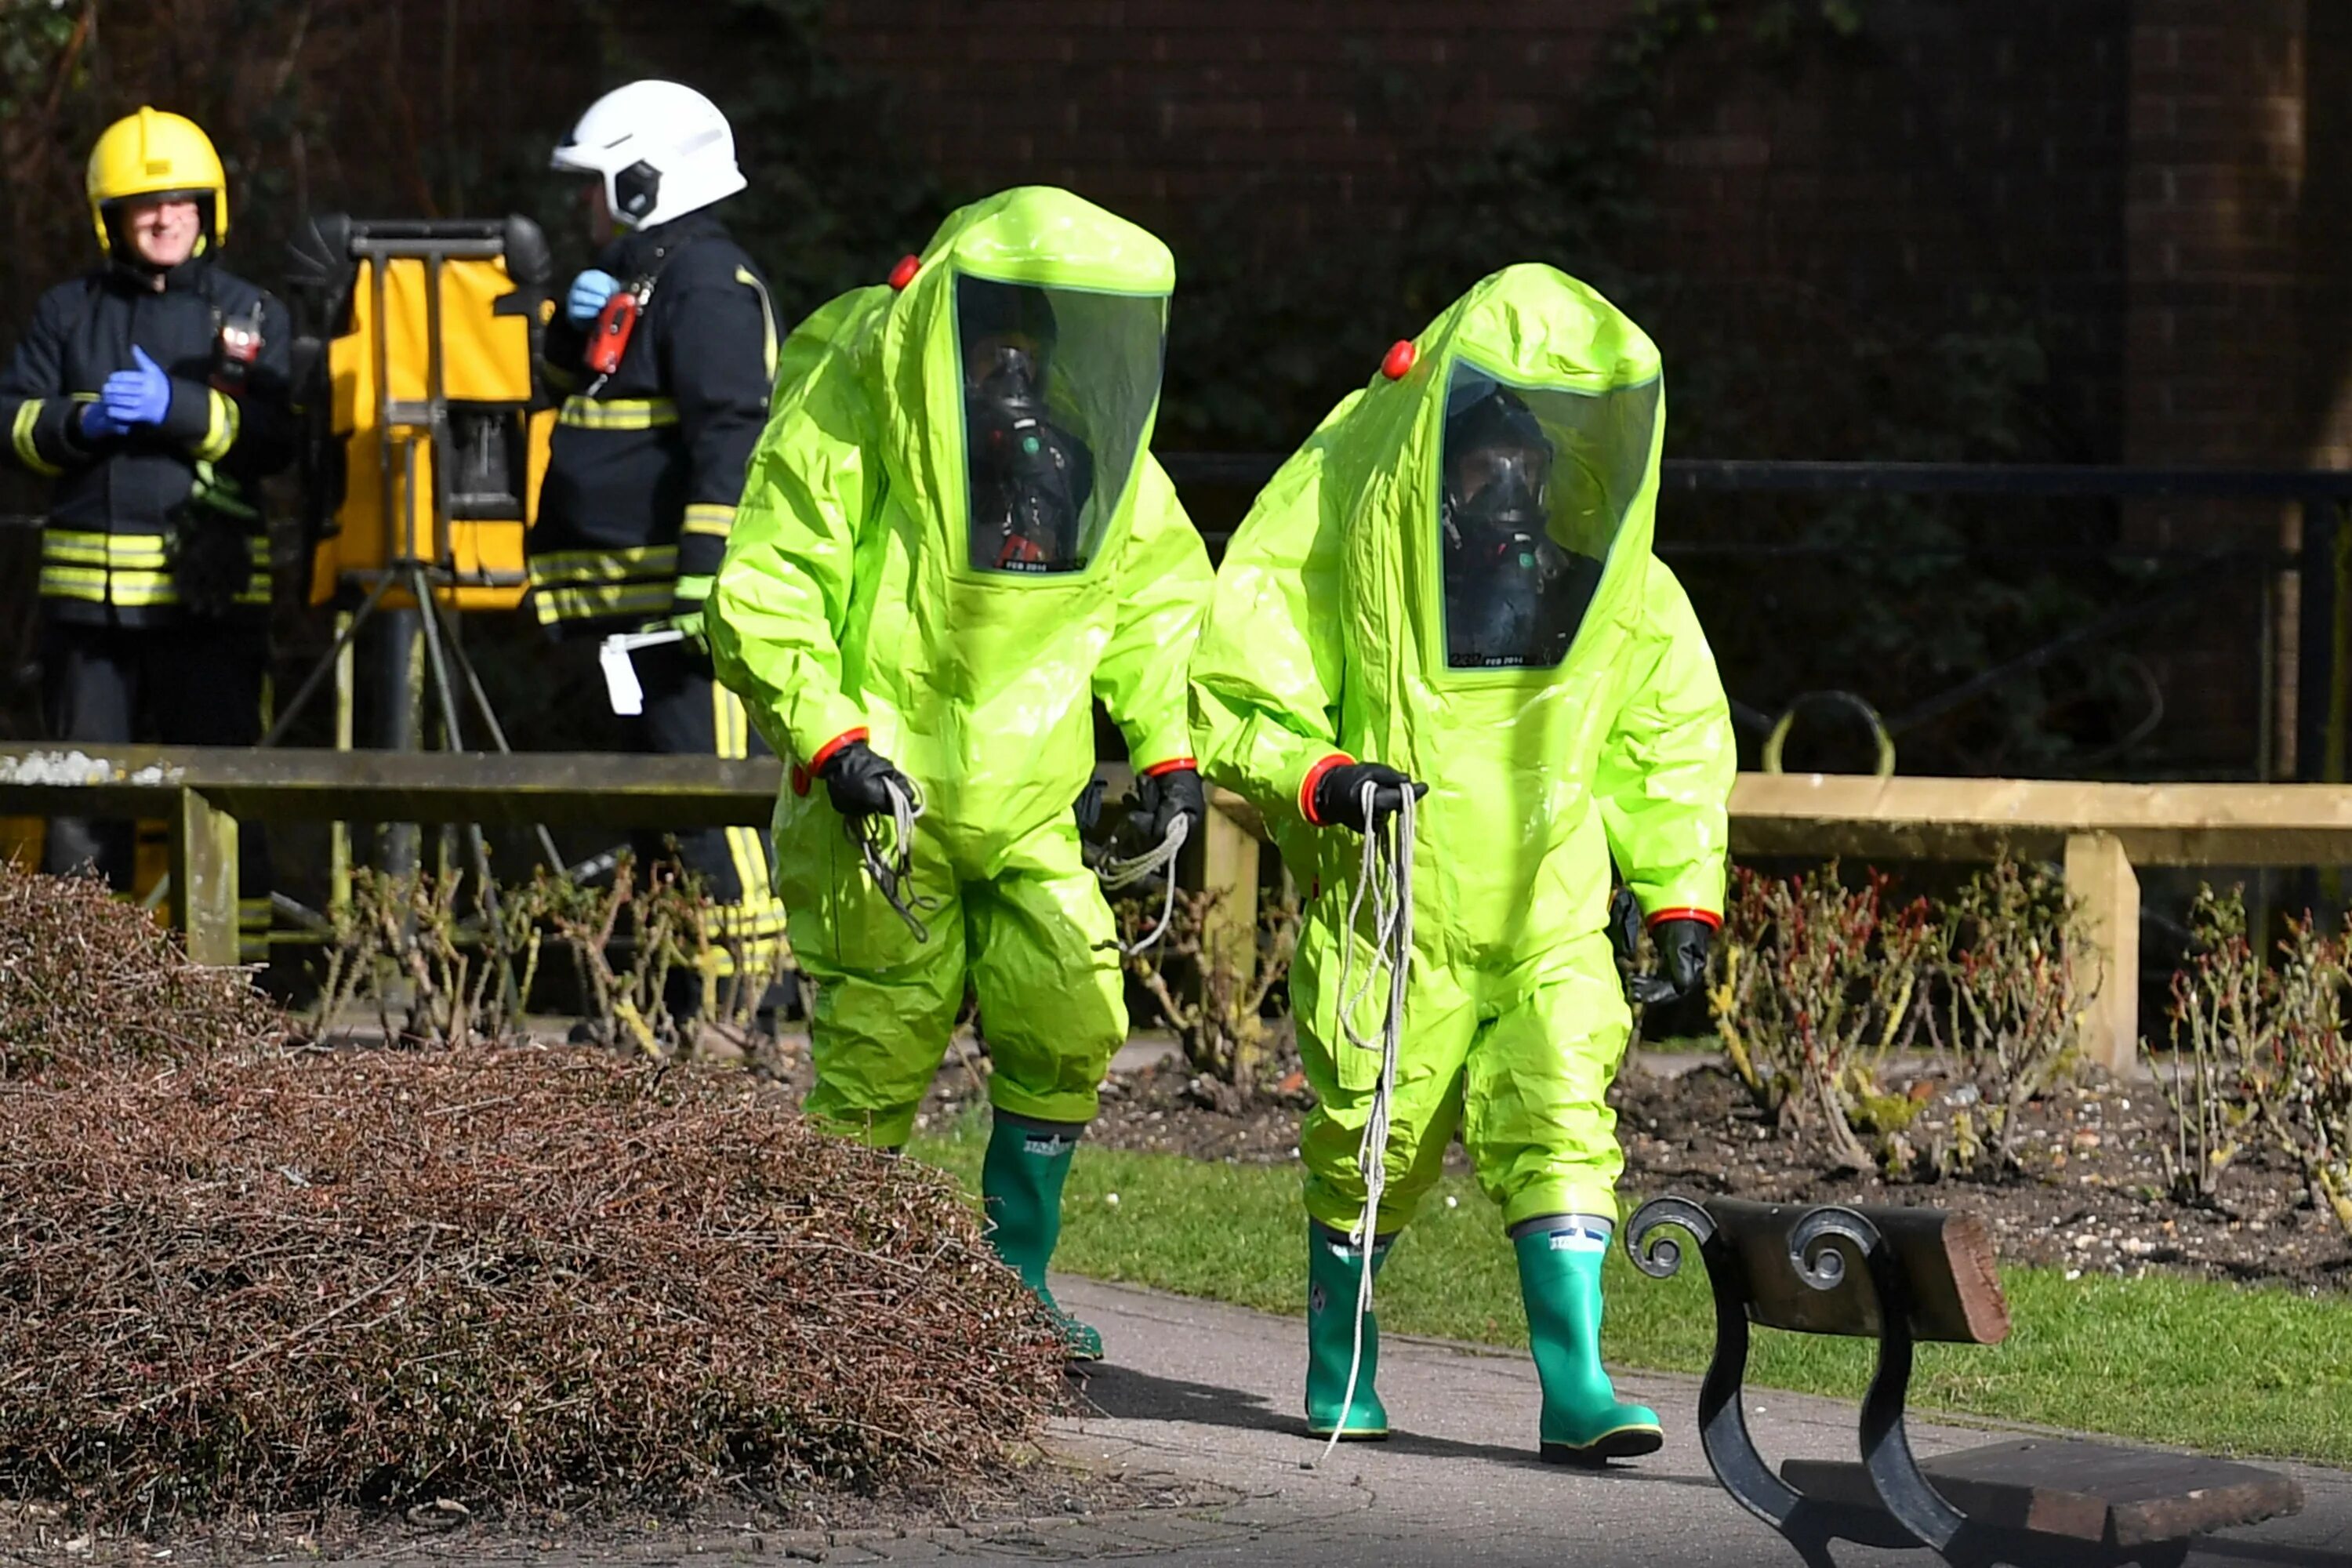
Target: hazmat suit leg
1441	1020
1053	1010
1440	1023
1051	1007
1541	1136
1535	1117
1046	963
886	1003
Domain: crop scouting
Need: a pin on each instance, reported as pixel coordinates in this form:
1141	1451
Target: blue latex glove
589	292
96	425
141	397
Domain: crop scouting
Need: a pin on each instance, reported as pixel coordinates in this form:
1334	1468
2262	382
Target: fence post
203	878
2100	880
1229	866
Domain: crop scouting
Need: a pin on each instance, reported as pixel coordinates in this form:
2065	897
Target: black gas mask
1505	578
1029	478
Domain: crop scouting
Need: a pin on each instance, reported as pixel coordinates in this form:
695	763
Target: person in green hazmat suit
1450	590
953	539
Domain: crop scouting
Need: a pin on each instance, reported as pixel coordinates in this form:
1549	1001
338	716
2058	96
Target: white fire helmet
662	149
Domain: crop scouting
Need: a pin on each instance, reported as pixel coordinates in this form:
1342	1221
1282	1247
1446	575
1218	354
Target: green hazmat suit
1357	616
879	585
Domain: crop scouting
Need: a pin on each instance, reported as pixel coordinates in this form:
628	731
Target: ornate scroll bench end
1901	1275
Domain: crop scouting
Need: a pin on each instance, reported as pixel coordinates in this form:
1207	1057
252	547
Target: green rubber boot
1335	1270
1559	1278
1021	1189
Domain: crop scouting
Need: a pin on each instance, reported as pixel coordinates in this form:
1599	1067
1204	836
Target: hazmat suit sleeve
1164	582
781	593
1265	679
1665	773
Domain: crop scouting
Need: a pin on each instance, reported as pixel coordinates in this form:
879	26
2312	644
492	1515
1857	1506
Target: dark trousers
179	686
688	713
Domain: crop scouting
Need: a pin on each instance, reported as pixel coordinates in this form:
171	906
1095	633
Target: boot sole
1352	1434
1625	1443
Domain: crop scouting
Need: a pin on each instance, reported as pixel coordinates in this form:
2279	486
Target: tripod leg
455	737
319	671
438	639
498	735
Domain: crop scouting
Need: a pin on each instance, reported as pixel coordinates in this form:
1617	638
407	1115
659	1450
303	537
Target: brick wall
2157	187
1960	151
1322	110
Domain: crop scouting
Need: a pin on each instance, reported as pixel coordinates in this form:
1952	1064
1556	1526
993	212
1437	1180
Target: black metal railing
2321	568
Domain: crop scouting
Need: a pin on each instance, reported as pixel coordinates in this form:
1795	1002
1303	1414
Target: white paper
621	688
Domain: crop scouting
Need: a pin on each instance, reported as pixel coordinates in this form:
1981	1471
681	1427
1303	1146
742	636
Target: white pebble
1111	1198
1452	1202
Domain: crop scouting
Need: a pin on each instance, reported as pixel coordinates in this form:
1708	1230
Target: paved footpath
1206	1396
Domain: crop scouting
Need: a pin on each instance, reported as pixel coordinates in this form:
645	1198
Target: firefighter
152	392
663	354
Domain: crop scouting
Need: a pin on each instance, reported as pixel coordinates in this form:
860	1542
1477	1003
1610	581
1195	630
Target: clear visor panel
1535	484
1057	386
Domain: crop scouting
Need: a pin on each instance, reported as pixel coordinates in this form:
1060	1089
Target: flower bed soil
2092	1195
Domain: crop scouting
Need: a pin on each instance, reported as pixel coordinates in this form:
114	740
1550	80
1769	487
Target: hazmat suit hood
1029	338
1533	385
953	537
1454	576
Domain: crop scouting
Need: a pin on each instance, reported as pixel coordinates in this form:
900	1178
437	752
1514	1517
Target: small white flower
1111	1198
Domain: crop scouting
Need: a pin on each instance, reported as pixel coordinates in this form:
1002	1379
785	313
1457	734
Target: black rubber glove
1087	807
1339	794
855	776
1683	948
1161	798
1625	927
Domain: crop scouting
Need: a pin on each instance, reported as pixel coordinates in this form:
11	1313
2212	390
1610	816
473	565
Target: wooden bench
1902	1277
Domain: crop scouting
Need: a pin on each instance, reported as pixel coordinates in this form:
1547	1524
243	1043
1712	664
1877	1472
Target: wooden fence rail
2101	831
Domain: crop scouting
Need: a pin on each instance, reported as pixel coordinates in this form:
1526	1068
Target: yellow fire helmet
155	154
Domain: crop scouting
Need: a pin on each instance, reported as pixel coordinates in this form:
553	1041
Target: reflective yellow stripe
618	413
253	923
131	586
767	315
583	604
123	549
759	915
139	588
136	589
28	414
708	517
77	547
220	434
74	583
563	566
764	923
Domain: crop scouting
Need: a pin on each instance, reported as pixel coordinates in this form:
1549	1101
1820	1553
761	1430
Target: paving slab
1209	1394
1203	1398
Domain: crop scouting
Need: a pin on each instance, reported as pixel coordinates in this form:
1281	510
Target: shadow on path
1124	1393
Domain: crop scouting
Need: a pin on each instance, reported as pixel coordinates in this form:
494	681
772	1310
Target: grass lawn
2217	1367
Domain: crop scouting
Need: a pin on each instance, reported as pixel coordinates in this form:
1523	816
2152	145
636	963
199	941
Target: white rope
1387	876
893	869
1117	875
